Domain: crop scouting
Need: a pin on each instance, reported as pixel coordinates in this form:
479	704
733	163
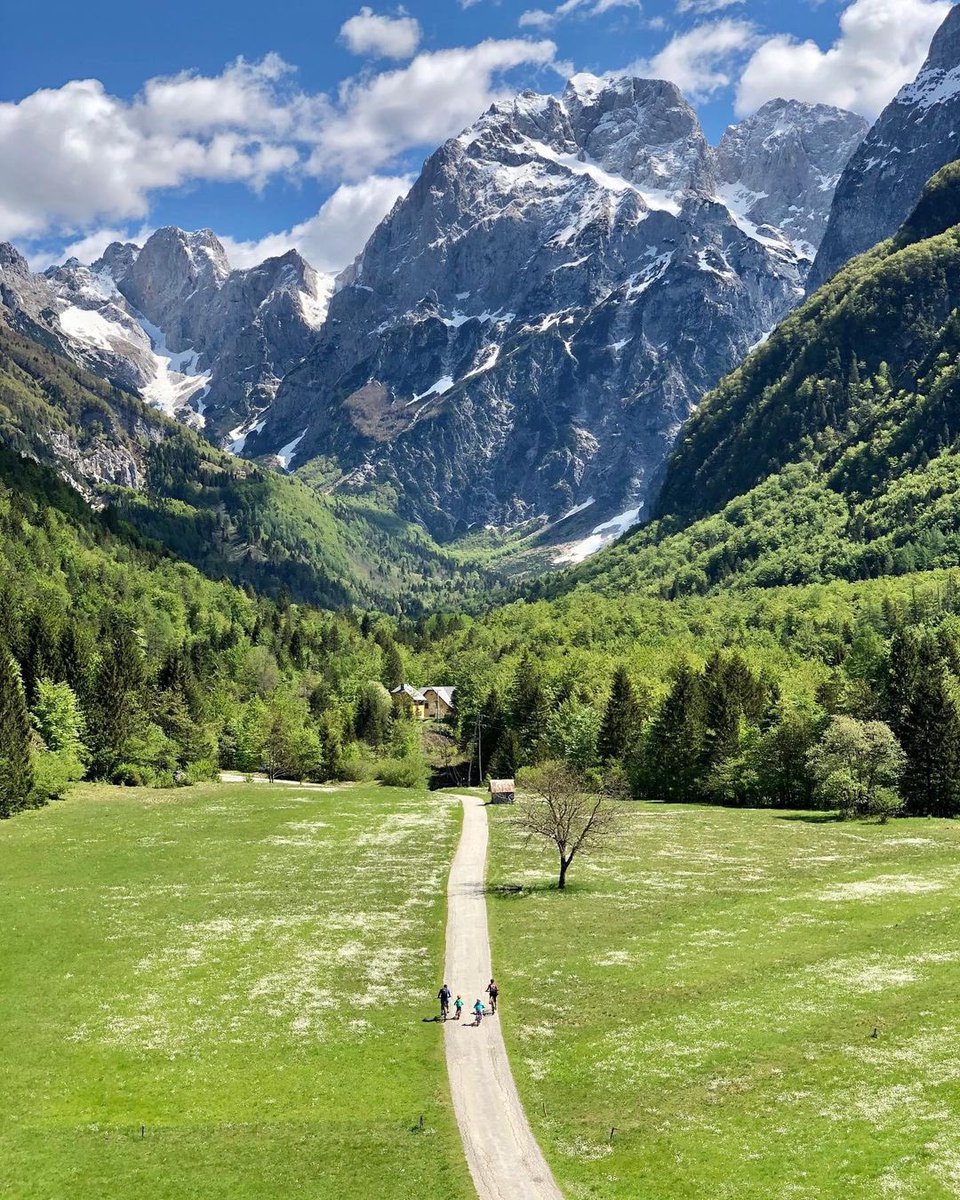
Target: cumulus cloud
75	155
704	59
381	36
542	18
882	45
335	235
430	99
76	158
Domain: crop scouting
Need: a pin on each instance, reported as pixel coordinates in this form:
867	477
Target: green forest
786	632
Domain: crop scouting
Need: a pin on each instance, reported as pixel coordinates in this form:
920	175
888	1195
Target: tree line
879	733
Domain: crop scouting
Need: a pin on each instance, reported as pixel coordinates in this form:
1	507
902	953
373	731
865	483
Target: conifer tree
16	770
622	720
925	718
116	702
529	710
671	761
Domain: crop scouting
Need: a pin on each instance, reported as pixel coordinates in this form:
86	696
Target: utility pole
479	753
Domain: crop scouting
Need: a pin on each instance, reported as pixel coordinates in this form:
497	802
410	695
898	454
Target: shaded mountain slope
834	451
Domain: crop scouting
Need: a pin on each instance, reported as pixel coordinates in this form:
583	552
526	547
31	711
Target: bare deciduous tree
559	808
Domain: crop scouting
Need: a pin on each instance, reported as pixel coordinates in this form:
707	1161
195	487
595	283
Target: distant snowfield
601	536
285	453
176	383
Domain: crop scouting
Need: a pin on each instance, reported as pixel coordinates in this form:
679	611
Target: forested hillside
831	455
123	662
229	517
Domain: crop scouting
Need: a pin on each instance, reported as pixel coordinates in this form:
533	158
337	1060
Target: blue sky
297	123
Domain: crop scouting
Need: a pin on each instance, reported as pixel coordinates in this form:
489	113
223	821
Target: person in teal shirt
478	1011
458	1006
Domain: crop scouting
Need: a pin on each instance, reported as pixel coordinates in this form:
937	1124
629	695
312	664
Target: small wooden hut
502	791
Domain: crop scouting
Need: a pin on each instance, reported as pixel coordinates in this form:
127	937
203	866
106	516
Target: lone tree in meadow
559	808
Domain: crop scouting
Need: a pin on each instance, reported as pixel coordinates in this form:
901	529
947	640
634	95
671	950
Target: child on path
478	1012
458	1005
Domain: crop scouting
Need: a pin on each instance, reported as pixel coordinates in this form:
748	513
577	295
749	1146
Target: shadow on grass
810	818
514	891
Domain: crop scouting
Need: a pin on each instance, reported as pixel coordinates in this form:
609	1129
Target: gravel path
505	1161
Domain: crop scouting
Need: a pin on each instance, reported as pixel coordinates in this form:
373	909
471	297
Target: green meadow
759	1004
240	972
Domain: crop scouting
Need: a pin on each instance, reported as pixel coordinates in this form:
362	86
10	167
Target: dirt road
504	1158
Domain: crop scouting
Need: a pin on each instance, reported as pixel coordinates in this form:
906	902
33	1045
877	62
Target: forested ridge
231	518
787	632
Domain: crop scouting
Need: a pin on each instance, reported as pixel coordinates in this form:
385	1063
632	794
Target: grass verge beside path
710	986
243	971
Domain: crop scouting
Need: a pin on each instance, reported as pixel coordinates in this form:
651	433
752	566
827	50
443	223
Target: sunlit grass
240	971
709	989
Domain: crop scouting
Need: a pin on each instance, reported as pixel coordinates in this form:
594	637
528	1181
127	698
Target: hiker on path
458	1006
493	991
478	1012
444	997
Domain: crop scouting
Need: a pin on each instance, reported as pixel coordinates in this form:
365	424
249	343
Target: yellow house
438	702
428	704
409	698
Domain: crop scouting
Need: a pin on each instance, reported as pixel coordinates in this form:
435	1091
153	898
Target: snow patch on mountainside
602	535
286	453
314	306
89	326
177	383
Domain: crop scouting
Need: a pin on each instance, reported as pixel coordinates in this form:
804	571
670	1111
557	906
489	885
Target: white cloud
702	7
379	36
334	236
76	158
881	46
702	60
541	18
430	99
76	155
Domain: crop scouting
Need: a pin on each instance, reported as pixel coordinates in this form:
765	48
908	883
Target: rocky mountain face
529	328
172	321
915	135
781	163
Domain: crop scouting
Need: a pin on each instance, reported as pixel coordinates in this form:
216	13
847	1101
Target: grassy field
710	988
241	970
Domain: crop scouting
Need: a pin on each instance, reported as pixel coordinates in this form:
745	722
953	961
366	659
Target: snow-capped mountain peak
915	135
532	324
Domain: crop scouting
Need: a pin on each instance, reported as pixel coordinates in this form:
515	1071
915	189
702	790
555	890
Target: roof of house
445	693
406	690
498	786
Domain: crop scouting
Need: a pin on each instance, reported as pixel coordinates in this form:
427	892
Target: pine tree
622	720
116	701
924	715
16	770
528	711
671	761
393	668
721	687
